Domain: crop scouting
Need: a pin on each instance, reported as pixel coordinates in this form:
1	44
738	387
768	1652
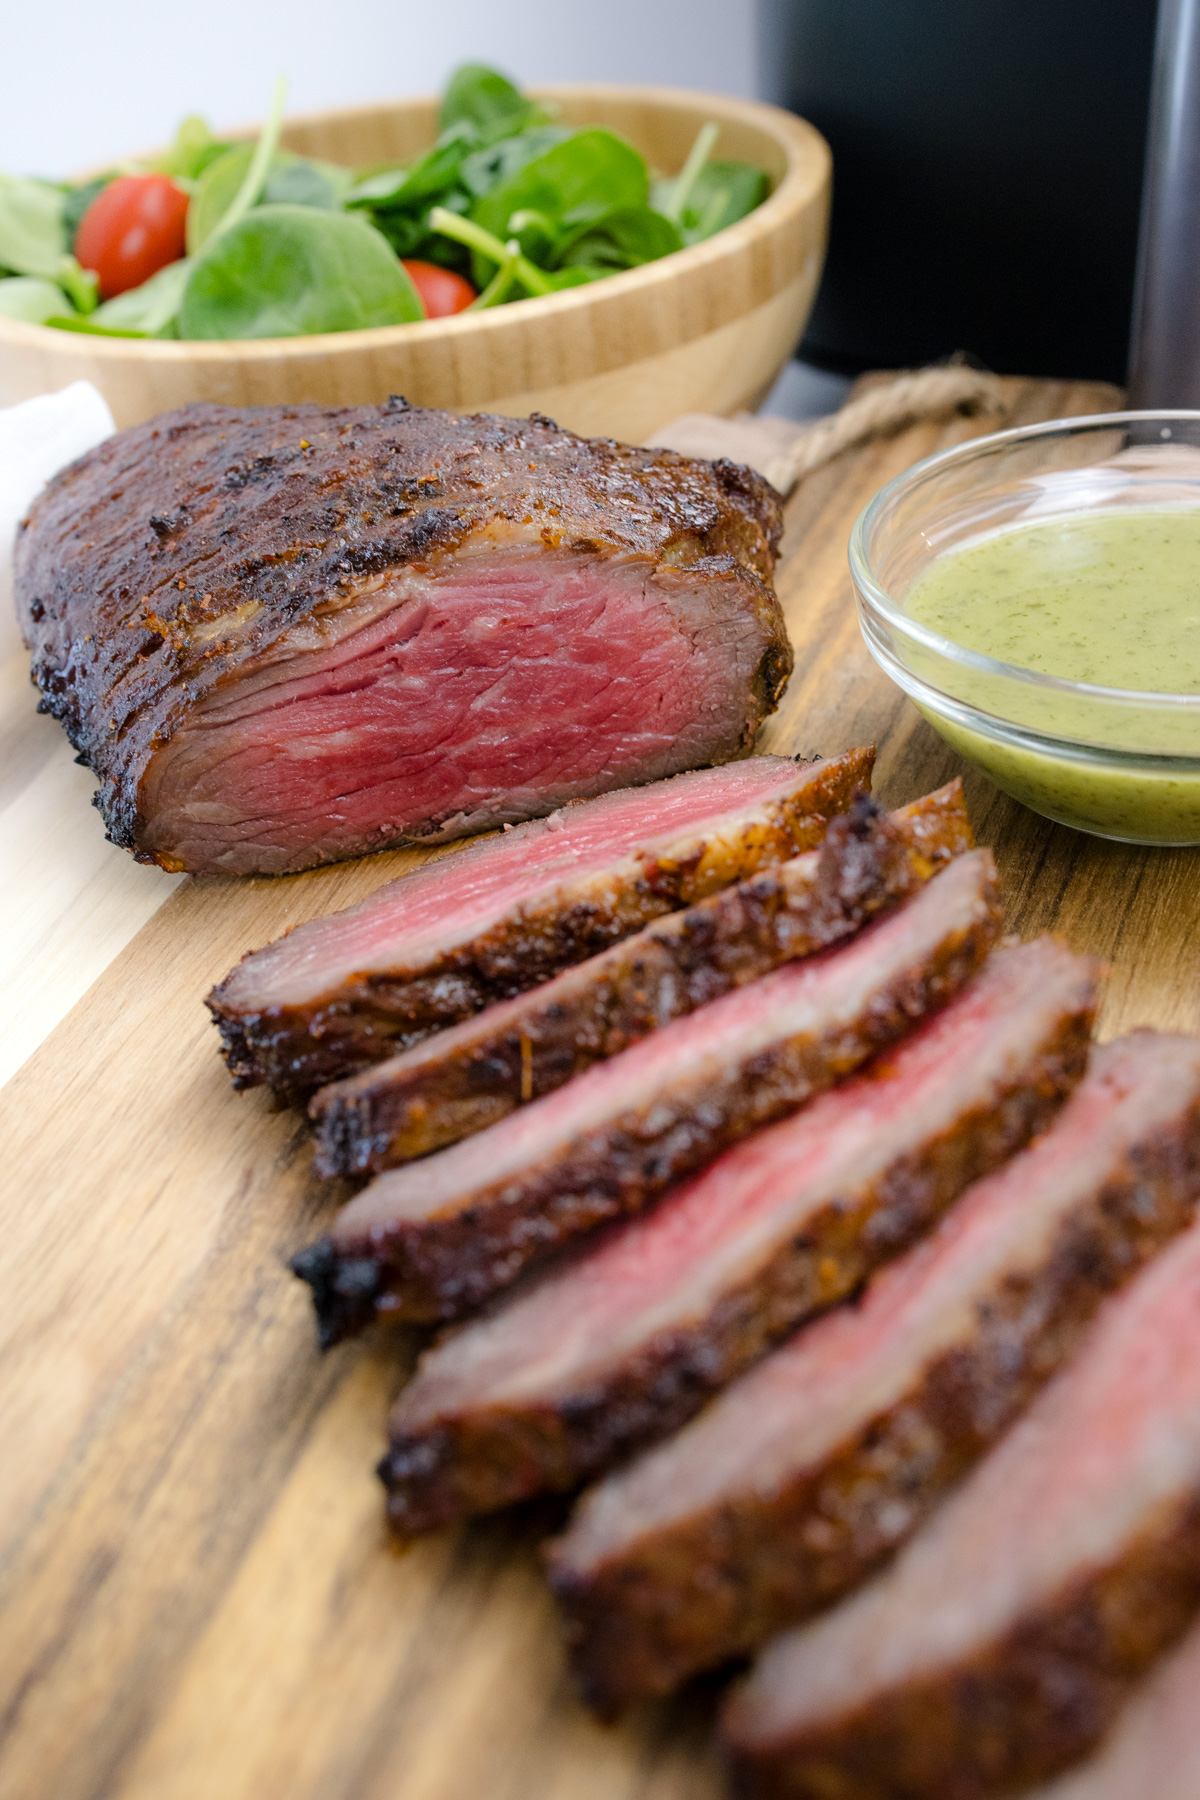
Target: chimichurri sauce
1108	598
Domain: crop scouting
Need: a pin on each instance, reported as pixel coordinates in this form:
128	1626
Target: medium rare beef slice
804	1474
1153	1750
281	636
464	1079
627	1341
470	1076
1000	1644
450	938
444	1234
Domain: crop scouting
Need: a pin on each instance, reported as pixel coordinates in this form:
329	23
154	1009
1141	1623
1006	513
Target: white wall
85	82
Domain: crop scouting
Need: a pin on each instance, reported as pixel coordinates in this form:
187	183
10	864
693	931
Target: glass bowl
1116	762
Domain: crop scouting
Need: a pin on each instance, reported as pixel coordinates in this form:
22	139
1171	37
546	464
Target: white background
86	82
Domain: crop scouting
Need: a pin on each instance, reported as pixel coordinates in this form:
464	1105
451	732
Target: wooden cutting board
198	1599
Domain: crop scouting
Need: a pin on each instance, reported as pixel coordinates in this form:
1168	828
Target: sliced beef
464	1079
999	1645
452	937
285	635
809	1470
1153	1750
627	1341
438	1237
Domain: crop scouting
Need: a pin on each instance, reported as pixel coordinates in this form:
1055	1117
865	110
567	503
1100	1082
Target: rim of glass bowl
870	590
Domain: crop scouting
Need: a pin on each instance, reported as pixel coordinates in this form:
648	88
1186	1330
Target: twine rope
922	394
785	452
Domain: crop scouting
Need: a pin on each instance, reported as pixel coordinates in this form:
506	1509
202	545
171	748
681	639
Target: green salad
225	240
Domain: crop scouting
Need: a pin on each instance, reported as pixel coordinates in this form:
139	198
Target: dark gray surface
805	392
987	163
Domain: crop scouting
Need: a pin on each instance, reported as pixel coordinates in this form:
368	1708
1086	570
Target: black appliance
988	160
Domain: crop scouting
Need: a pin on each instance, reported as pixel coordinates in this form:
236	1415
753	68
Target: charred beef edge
1017	1713
489	1459
867	860
637	1628
364	1020
442	1268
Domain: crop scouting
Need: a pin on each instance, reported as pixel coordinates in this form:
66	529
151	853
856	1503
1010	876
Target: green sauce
1108	598
1111	598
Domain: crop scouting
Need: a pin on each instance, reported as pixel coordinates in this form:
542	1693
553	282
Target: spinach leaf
233	184
430	175
411	233
539	237
670	197
303	181
378	189
724	192
290	181
591	173
485	169
32	238
574	277
485	99
76	202
215	193
81	286
194	149
619	239
457	170
73	322
30	297
151	308
286	271
707	196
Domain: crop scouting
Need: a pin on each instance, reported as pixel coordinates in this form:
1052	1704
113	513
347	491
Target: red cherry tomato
133	228
442	291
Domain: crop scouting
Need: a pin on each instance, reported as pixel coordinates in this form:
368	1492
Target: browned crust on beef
722	1582
389	1115
152	569
489	1459
1015	1715
443	1267
297	1049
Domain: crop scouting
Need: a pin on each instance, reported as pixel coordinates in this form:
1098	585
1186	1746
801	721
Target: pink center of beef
808	1397
668	1269
423	914
1109	1453
507	682
816	996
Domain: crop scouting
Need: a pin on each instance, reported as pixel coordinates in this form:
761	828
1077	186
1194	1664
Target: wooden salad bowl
704	330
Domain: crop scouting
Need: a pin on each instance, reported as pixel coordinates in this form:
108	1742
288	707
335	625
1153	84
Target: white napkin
37	439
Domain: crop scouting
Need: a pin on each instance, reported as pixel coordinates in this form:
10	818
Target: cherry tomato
133	228
442	291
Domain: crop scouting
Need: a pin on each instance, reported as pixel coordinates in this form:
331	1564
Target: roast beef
1153	1751
999	1645
285	635
463	1079
627	1341
810	1469
436	1238
442	942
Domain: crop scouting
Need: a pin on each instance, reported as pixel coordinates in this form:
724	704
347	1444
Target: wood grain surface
198	1599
